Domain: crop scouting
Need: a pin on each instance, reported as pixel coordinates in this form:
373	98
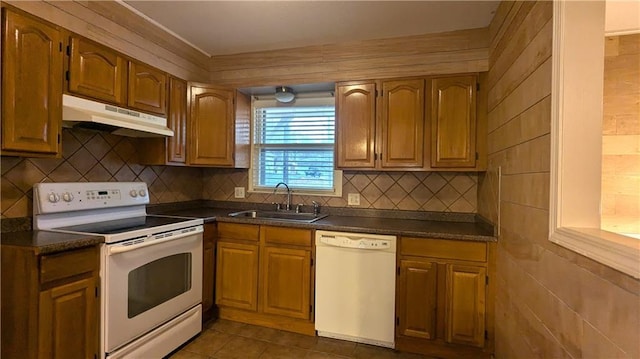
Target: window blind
294	144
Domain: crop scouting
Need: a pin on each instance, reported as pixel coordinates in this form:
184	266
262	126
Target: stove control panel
75	196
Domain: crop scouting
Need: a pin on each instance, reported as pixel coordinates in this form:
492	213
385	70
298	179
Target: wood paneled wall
112	24
444	53
550	302
621	135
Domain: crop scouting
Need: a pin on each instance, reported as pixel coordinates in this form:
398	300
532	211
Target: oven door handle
122	249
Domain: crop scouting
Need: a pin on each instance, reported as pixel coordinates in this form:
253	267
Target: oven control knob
133	193
53	197
142	193
67	197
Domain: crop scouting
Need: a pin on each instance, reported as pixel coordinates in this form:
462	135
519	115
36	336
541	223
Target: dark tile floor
225	339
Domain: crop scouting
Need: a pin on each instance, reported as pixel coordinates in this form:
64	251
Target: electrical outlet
353	199
239	192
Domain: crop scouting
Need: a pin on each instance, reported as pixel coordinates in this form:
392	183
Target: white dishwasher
355	287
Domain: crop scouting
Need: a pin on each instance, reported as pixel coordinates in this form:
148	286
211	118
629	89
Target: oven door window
158	282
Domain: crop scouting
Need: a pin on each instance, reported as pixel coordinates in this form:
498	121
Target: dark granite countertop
44	242
456	226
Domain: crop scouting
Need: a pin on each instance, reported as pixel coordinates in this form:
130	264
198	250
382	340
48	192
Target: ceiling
233	27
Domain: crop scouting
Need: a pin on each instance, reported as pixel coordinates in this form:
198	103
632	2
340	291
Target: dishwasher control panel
356	240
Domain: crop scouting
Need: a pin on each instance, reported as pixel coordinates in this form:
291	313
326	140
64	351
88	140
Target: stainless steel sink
279	215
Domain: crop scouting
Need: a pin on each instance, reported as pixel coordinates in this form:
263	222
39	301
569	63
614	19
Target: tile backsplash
97	157
102	157
416	191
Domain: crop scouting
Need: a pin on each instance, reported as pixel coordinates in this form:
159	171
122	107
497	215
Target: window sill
614	250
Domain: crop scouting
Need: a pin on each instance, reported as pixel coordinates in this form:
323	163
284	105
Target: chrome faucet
287	205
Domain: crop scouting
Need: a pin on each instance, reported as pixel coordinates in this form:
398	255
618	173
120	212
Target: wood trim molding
614	250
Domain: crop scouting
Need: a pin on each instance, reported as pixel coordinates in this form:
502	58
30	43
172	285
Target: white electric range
150	266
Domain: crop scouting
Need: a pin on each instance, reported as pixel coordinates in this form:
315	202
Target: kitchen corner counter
43	242
470	231
437	227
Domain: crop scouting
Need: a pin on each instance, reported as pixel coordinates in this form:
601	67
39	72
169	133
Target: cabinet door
286	282
208	268
355	125
211	140
402	124
96	71
453	122
170	150
417	299
465	304
147	89
68	321
237	275
31	85
177	121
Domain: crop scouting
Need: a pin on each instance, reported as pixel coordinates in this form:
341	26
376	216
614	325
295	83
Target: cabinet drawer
247	232
67	264
290	236
442	248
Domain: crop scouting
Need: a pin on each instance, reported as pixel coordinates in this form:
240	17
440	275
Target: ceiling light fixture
284	94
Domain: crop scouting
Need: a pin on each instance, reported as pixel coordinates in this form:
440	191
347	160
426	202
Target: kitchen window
294	144
576	139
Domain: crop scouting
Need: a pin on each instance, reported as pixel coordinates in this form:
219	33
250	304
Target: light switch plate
353	199
239	192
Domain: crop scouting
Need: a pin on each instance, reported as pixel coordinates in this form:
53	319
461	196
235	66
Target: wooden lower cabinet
264	276
68	320
465	305
442	298
416	308
286	279
209	310
237	275
50	306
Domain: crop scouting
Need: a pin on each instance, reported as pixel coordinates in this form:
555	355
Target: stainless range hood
83	113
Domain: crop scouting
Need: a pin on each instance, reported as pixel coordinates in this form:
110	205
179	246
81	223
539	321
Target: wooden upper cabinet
96	71
169	150
402	124
31	86
212	130
100	73
147	89
177	121
453	122
384	132
355	125
417	300
465	304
